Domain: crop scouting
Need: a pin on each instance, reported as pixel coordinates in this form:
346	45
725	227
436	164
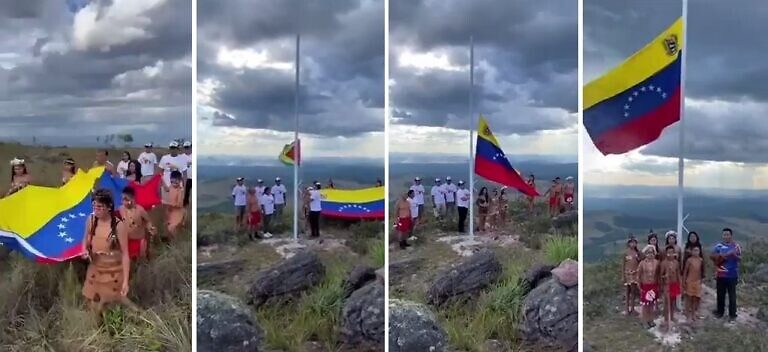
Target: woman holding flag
20	178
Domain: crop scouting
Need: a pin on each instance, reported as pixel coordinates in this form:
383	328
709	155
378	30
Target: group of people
450	199
663	276
116	237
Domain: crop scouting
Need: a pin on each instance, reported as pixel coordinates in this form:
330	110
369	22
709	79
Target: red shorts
674	290
649	293
255	218
569	198
404	224
553	201
134	247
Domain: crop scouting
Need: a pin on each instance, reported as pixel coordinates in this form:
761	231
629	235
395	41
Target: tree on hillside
126	138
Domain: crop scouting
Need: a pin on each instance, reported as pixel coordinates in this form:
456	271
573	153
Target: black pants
314	223
187	192
726	285
266	218
462	218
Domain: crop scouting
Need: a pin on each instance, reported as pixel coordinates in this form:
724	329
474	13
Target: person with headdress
629	266
649	284
569	191
653	240
105	245
20	177
531	182
175	212
503	206
68	170
670	277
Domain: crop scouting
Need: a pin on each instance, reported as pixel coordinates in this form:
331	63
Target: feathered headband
17	161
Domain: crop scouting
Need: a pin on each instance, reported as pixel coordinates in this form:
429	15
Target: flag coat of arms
633	103
291	153
492	164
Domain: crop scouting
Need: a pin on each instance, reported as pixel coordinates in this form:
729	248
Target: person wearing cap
20	177
450	197
188	158
239	196
418	195
379	183
315	208
649	285
404	219
569	191
438	199
69	169
173	161
148	161
279	191
259	187
330	183
462	203
101	161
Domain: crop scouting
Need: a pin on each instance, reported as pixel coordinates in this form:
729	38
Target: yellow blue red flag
365	203
492	164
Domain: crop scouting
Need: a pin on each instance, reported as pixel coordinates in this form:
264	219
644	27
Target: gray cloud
725	63
342	53
80	77
529	84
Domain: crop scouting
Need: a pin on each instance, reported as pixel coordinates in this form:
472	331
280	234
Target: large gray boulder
287	278
225	324
534	275
566	219
213	271
357	278
362	318
465	278
413	327
551	311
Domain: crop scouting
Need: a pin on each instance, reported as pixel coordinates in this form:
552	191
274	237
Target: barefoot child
174	207
692	277
670	277
404	219
649	285
139	225
253	209
631	277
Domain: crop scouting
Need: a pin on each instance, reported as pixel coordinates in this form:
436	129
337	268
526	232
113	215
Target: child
629	269
649	284
670	276
254	214
174	207
692	277
139	225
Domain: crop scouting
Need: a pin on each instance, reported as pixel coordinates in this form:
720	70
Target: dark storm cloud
726	62
342	54
103	78
531	48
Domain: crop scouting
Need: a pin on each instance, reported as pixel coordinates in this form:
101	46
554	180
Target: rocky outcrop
465	278
362	318
287	278
551	310
412	327
761	274
534	275
216	270
357	278
225	324
566	219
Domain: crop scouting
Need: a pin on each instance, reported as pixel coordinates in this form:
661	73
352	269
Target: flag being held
291	153
492	164
633	103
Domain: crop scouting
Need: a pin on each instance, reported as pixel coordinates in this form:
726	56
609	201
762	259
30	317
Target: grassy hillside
41	306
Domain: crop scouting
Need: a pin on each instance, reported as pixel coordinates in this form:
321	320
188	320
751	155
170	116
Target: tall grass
376	253
559	248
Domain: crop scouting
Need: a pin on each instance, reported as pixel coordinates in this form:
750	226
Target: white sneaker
267	235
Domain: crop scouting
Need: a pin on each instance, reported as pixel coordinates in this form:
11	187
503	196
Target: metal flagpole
471	185
680	160
297	146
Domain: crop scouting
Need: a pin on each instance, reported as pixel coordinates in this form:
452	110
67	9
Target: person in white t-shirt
259	187
169	163
450	197
462	203
267	210
438	199
148	161
279	191
418	195
122	166
188	158
315	208
414	210
239	194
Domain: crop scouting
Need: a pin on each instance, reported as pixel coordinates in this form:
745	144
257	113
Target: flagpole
471	185
297	146
680	160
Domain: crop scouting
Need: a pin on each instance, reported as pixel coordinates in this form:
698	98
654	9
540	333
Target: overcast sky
726	91
72	70
246	77
526	74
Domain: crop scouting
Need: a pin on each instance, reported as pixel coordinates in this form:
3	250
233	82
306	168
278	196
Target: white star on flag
64	220
81	214
72	216
62	226
642	88
62	234
70	239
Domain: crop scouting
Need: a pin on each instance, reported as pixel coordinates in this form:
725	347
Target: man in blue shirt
726	256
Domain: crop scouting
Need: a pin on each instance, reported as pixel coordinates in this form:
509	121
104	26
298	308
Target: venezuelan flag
290	154
633	103
365	203
492	163
46	223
